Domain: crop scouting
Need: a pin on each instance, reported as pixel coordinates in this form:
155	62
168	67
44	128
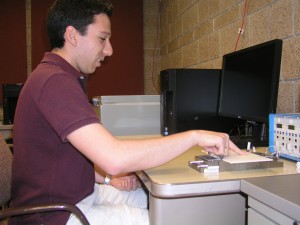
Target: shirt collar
50	57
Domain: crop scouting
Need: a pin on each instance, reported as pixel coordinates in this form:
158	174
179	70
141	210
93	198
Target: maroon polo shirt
46	167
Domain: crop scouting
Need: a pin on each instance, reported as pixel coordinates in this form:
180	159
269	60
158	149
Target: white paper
249	157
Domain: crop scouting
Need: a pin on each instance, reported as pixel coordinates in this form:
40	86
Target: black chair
5	193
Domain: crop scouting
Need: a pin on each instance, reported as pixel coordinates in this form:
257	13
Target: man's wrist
107	179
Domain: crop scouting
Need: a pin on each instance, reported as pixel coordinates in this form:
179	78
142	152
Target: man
59	143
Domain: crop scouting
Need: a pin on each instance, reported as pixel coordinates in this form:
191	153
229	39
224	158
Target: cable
242	25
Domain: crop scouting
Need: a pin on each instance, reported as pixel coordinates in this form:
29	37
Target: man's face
94	46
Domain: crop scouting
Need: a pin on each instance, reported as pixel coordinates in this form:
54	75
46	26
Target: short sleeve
65	105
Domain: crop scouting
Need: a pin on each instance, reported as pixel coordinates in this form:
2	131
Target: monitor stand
255	132
259	131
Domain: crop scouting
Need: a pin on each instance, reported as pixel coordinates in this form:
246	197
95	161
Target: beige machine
129	114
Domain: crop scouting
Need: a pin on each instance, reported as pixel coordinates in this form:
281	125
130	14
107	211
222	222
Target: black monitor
249	82
10	98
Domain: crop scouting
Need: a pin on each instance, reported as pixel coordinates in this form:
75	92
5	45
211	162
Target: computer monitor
189	100
10	98
249	82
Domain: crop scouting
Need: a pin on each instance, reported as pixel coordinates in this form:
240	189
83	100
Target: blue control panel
284	135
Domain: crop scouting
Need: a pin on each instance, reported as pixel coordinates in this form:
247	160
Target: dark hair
76	13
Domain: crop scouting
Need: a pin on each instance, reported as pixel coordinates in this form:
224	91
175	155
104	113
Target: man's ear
70	35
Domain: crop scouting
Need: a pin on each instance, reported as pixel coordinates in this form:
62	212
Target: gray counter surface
282	193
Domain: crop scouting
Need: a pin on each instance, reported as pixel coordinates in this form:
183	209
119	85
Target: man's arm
117	156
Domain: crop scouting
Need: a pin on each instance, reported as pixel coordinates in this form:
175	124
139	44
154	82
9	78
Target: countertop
177	179
282	193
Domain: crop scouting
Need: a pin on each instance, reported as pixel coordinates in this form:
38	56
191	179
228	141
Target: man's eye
102	39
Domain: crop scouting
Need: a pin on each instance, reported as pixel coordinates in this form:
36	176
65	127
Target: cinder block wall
197	33
151	46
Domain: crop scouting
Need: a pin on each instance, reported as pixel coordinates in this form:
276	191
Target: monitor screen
249	82
10	98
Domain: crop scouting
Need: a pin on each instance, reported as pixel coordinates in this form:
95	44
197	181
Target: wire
155	46
242	25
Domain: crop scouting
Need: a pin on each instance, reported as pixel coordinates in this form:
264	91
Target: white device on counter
129	114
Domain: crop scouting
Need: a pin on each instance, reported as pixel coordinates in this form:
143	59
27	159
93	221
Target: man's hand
128	182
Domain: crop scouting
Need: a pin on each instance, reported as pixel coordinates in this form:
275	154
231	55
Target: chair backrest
5	171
